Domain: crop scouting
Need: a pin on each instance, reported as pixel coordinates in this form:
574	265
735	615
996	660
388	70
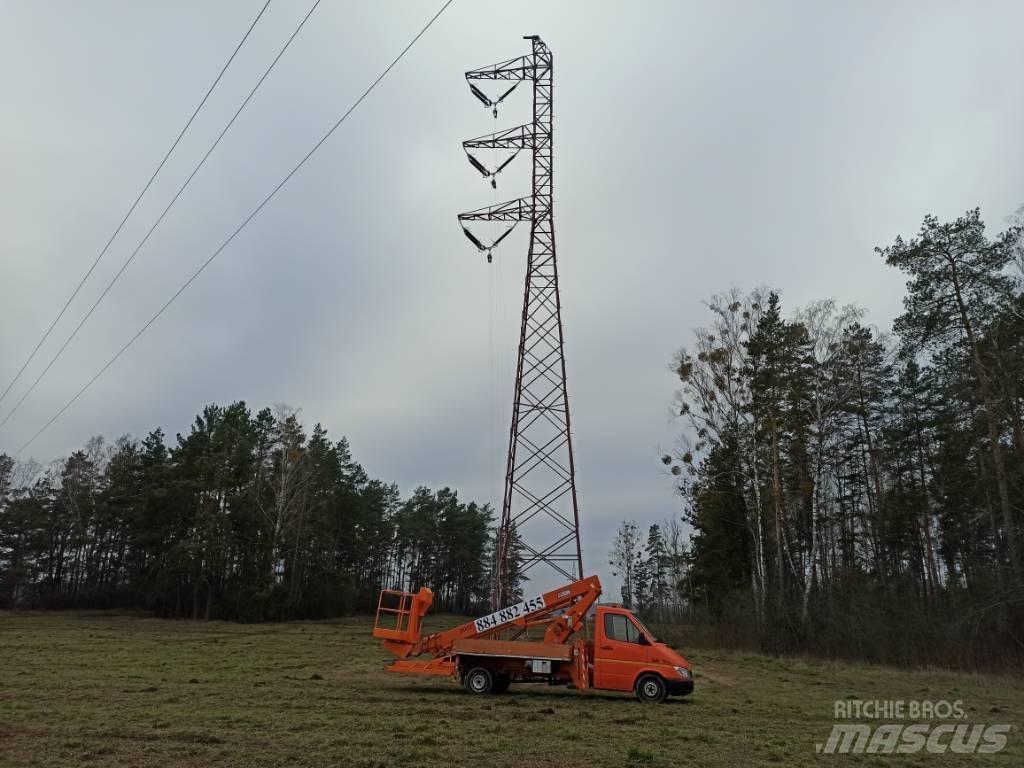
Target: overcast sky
697	146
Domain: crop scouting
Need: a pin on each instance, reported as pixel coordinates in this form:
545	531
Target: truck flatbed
513	649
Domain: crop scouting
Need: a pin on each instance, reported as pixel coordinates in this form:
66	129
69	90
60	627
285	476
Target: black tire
478	680
651	689
501	683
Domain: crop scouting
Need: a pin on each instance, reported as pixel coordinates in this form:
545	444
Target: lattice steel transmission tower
540	513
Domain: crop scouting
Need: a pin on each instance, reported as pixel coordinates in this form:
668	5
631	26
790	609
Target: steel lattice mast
540	512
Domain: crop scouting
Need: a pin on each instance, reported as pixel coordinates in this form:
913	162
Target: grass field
98	690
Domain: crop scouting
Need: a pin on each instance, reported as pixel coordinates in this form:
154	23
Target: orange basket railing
399	613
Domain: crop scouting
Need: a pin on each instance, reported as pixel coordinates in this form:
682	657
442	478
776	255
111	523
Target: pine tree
958	278
778	367
657	569
626	561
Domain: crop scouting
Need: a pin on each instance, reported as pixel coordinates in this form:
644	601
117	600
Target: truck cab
626	656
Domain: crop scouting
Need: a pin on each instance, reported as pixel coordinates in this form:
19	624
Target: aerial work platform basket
399	615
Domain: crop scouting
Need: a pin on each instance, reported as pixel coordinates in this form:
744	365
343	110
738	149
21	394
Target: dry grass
108	690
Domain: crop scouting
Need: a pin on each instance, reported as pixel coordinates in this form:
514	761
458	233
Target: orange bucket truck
621	654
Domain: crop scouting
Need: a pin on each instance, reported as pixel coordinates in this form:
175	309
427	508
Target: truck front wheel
651	689
478	680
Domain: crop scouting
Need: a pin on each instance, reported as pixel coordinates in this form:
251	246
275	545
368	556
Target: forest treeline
851	492
245	517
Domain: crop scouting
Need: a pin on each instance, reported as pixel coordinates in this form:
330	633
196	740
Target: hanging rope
492	400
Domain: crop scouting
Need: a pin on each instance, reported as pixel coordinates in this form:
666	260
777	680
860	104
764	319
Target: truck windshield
626	629
644	629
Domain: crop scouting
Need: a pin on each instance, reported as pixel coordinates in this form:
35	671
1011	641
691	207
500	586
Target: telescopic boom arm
562	611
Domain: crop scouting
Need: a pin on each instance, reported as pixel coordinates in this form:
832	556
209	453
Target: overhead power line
134	205
160	218
236	232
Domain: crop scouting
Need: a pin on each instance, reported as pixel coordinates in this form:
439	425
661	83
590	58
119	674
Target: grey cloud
698	146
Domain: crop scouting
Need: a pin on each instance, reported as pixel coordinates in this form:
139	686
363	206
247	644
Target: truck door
618	651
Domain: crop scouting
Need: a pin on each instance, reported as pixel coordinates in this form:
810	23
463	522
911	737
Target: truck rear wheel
651	689
478	680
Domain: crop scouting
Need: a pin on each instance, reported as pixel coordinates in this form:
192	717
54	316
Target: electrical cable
234	234
133	206
160	218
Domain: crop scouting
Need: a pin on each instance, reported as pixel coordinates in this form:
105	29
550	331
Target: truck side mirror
643	640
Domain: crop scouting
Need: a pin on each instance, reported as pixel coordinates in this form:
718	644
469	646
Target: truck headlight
683	672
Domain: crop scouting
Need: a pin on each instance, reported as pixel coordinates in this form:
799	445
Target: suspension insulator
506	93
504	235
478	165
472	238
502	166
480	95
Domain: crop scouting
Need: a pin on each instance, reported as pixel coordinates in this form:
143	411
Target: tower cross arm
519	68
512	210
520	137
